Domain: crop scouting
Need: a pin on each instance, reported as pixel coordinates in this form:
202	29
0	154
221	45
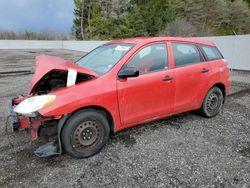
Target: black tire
212	103
82	123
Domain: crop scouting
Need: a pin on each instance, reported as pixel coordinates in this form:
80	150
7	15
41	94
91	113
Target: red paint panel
145	97
190	86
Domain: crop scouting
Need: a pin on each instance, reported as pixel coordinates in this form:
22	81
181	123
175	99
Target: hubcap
212	102
86	134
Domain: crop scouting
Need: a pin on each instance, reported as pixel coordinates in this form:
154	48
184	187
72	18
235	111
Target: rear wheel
85	133
212	103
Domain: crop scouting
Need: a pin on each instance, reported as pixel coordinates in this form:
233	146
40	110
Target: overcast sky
36	15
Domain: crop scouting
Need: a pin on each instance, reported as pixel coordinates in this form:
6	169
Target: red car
118	85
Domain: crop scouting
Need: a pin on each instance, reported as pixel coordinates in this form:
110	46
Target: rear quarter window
211	52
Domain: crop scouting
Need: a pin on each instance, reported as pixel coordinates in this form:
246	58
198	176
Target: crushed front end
52	74
34	123
36	126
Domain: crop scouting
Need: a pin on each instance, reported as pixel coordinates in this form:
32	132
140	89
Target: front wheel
85	133
212	103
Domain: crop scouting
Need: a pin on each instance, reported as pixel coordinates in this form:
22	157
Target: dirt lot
180	151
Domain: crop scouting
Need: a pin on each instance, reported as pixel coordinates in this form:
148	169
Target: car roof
146	40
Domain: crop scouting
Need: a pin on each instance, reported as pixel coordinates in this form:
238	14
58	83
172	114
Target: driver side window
151	58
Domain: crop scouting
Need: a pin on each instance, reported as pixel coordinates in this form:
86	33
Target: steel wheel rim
86	134
213	102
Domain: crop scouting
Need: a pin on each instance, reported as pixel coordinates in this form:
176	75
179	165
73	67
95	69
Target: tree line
107	19
32	35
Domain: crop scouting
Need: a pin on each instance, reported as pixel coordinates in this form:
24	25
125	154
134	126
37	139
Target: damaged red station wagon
118	85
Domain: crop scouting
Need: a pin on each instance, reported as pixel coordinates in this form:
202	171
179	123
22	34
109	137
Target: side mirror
128	72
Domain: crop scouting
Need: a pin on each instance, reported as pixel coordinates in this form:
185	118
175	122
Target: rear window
211	52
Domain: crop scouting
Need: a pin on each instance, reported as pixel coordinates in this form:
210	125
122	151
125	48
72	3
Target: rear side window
211	52
185	54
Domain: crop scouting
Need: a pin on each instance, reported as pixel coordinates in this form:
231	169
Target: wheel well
102	110
222	88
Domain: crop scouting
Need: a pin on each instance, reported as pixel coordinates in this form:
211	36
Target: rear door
191	76
150	95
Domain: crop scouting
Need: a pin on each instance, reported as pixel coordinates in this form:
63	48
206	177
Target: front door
150	95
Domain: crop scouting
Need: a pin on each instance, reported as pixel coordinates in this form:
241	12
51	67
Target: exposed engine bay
56	79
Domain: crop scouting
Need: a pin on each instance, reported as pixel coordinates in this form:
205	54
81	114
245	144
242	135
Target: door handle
167	78
204	70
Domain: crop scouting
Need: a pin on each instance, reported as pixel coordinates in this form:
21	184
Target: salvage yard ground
181	151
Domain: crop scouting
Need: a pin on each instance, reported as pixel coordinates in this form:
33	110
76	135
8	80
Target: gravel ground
181	151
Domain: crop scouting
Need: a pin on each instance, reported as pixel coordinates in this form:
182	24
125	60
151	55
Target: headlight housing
30	105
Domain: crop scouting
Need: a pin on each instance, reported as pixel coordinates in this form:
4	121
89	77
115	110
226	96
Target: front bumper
12	117
32	125
19	122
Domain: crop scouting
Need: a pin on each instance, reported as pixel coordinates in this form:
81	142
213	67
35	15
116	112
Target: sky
36	15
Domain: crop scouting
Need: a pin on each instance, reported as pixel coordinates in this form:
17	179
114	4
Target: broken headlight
30	105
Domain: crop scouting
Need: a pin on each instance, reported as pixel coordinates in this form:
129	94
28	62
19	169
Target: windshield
103	58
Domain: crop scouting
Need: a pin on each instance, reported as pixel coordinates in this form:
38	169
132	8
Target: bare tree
30	35
239	17
179	27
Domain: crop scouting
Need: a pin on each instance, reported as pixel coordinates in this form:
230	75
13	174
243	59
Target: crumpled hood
46	63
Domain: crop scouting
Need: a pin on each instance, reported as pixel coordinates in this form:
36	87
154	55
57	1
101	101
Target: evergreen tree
107	19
